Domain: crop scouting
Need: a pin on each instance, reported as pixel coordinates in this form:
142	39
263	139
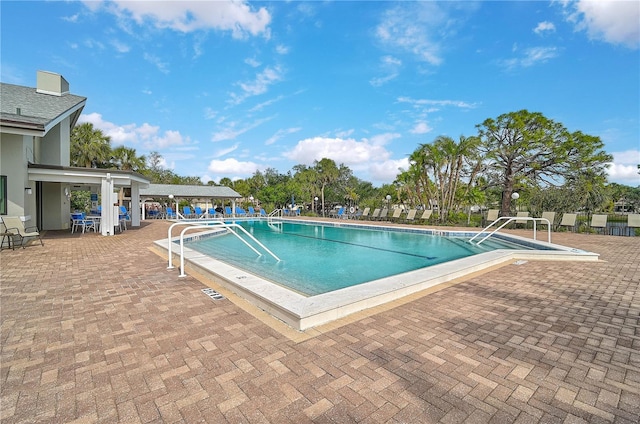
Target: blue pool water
318	259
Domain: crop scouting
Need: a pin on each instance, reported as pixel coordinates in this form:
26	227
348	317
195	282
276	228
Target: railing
209	225
510	219
276	213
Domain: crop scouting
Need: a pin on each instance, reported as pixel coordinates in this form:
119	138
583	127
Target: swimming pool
303	312
316	259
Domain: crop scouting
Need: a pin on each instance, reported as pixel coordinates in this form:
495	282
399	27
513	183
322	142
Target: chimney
50	83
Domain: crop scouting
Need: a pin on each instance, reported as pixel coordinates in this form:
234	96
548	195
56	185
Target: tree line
549	167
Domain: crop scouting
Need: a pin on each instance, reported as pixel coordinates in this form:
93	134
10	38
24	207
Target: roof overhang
85	176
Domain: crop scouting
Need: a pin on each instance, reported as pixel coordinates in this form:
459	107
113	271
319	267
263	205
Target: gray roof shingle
37	110
189	191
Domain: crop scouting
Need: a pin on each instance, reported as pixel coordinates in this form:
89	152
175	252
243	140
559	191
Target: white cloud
387	171
367	157
624	168
157	62
530	57
232	131
232	167
389	65
253	62
259	85
421	128
613	21
437	103
224	152
543	27
282	49
238	17
349	151
147	135
281	133
120	46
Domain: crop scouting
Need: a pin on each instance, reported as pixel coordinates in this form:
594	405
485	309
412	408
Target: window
3	194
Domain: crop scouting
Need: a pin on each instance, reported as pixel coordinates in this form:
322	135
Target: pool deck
96	329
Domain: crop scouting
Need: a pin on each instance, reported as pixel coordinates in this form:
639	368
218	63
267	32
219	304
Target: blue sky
223	89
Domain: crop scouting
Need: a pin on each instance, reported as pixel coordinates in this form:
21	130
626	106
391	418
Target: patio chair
213	213
124	217
187	212
227	211
79	220
14	228
170	213
197	211
599	223
569	221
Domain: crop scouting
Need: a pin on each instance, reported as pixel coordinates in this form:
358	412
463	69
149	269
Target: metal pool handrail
210	224
510	219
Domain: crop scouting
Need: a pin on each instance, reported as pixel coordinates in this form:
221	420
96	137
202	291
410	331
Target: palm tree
89	146
125	158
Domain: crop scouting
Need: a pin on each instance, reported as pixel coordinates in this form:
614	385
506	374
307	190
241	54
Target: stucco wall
13	164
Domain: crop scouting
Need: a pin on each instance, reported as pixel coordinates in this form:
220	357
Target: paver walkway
96	329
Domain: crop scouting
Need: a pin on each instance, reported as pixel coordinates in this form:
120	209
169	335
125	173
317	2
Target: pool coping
305	312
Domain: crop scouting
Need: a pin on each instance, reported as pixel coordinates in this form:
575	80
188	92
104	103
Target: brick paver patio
96	329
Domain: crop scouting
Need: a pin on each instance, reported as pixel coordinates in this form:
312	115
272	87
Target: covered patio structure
174	192
54	185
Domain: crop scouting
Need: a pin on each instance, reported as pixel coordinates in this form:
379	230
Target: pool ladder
210	225
510	219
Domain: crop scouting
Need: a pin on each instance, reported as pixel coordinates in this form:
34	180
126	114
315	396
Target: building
36	180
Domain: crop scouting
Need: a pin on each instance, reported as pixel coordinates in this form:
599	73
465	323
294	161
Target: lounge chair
212	213
383	214
521	214
187	212
365	213
599	222
263	213
240	211
396	214
375	214
551	216
197	211
633	222
569	221
170	213
426	215
492	215
227	211
14	228
411	215
252	211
